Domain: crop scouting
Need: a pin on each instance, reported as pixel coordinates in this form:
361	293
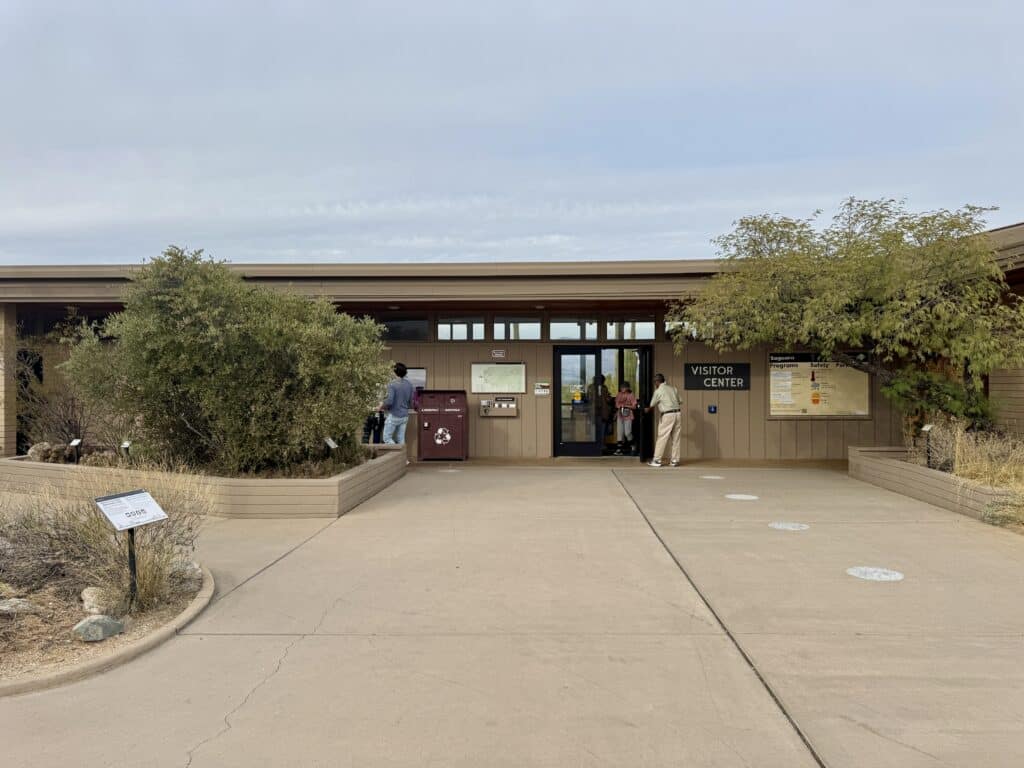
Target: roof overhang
491	282
422	283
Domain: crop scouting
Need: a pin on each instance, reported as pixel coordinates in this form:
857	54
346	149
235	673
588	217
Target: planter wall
233	497
888	468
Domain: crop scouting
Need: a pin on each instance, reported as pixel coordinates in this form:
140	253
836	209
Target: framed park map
498	378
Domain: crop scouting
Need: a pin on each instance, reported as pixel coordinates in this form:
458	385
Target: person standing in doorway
625	403
396	405
670	428
602	403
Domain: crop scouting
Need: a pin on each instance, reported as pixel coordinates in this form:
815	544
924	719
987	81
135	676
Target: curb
122	656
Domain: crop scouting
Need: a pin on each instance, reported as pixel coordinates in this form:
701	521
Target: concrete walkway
532	617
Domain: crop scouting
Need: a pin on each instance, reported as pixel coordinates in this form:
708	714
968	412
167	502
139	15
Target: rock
56	454
94	600
39	451
187	574
15	605
94	628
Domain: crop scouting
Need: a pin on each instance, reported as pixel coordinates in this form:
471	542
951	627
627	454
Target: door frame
642	429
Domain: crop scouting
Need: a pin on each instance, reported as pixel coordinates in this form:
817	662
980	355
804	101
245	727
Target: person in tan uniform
670	428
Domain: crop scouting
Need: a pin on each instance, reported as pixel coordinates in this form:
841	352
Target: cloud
455	130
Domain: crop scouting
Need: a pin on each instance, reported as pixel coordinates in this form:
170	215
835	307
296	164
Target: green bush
228	376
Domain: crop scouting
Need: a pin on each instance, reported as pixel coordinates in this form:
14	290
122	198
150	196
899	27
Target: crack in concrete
227	726
892	739
332	606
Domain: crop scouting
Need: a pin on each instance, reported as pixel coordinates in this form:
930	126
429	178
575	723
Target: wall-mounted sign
417	377
800	384
716	376
542	388
131	509
498	354
498	378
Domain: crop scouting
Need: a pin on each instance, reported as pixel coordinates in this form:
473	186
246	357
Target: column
8	383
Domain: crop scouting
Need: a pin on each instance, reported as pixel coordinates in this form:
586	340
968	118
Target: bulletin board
802	385
498	378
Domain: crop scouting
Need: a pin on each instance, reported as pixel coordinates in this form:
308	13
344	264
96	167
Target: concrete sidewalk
921	672
488	616
485	617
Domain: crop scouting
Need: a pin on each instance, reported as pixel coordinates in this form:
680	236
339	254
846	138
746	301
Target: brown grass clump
995	459
60	539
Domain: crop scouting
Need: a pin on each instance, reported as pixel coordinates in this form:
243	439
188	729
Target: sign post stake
126	512
133	572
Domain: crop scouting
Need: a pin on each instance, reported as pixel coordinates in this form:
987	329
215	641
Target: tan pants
670	427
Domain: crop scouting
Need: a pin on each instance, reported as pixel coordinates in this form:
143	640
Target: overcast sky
478	130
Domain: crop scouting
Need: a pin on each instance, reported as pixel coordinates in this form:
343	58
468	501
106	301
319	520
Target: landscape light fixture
76	444
927	429
331	445
126	448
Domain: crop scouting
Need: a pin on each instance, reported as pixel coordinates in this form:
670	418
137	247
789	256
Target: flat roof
372	283
378	282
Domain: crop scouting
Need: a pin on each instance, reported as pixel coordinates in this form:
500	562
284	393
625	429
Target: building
535	336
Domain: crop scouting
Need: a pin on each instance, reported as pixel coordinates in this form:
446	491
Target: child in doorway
625	404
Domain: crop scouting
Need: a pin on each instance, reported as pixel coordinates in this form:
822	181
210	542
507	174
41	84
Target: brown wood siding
527	436
1006	389
739	430
8	384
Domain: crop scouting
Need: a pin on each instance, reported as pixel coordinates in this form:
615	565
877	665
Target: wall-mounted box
499	406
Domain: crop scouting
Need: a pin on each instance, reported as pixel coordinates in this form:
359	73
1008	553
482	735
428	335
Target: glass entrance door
587	381
577	416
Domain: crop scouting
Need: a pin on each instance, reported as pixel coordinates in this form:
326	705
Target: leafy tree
223	374
915	299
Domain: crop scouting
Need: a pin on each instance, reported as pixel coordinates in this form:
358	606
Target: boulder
187	574
94	628
94	601
12	606
39	451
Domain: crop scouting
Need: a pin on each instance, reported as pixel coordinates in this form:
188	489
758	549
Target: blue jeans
394	429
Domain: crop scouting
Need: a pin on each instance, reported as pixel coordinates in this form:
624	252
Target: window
629	330
406	329
563	329
517	329
460	329
674	328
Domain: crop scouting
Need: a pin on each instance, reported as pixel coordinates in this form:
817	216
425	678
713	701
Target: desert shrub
227	376
989	457
59	538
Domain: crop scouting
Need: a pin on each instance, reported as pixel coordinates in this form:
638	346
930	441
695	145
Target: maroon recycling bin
443	425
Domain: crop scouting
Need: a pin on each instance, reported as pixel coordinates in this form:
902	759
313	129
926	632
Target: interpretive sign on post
126	512
130	509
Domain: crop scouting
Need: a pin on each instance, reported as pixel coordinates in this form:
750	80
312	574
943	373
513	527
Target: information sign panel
499	378
130	509
800	384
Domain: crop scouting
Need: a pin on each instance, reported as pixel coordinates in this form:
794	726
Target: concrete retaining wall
231	497
888	468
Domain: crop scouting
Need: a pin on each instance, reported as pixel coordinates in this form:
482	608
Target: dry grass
990	458
60	540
